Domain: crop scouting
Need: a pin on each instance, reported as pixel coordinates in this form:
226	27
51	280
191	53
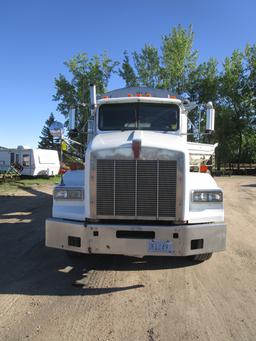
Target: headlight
68	194
207	196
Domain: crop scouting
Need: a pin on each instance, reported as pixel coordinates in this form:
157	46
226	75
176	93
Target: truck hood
148	139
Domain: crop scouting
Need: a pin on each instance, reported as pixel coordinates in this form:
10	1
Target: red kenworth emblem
136	148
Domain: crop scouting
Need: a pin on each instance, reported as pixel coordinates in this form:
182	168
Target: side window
12	158
17	158
26	160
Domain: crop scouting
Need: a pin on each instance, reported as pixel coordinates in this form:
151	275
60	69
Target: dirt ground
46	296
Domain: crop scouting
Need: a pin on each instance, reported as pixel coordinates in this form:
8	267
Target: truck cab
143	192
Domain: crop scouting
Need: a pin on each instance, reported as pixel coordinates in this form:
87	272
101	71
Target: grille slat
136	188
125	187
146	188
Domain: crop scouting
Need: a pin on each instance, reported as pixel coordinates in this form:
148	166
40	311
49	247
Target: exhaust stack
93	97
72	119
90	123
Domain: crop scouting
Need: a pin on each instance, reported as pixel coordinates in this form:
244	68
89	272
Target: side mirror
56	129
210	117
72	119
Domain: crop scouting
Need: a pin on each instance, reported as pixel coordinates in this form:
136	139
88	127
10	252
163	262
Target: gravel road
44	295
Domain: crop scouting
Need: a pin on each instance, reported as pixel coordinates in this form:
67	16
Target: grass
7	188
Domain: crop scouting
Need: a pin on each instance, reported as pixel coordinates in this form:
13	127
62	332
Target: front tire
202	257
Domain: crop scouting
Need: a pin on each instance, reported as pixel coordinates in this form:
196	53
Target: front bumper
132	240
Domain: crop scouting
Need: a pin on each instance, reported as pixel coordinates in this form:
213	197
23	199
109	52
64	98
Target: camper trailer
30	162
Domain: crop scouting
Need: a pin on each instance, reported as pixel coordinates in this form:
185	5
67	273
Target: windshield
139	116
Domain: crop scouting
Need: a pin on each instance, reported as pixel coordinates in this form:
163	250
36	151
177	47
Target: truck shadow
249	185
29	268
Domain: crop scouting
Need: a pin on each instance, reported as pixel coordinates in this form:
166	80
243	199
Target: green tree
179	60
202	87
224	135
127	72
147	64
171	70
237	94
249	147
233	90
76	92
203	82
250	55
47	141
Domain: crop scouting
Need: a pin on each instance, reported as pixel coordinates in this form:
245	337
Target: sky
37	36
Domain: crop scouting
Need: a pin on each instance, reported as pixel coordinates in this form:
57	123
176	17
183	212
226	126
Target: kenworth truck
145	189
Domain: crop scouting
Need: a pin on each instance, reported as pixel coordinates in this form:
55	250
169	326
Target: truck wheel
202	257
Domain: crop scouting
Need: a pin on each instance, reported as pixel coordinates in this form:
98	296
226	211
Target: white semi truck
145	189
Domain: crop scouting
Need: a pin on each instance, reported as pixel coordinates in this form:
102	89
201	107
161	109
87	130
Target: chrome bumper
132	240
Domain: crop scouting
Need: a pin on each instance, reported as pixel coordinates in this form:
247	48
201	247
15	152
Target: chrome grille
136	188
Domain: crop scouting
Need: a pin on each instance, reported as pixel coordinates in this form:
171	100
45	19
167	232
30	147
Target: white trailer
141	193
30	162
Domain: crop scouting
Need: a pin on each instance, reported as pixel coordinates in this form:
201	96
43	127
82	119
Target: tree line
231	86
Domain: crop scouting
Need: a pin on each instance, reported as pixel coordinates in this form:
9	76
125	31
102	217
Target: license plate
164	246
